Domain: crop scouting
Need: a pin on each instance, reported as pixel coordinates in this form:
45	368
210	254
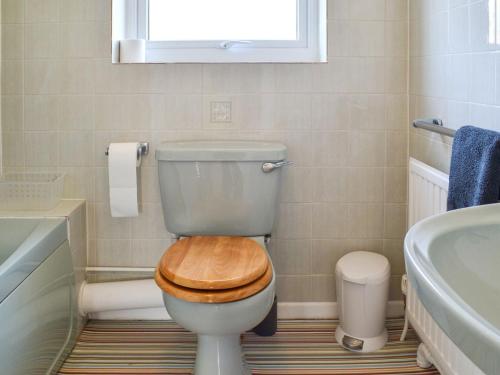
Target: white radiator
428	191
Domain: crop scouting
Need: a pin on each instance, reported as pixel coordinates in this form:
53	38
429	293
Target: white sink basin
453	262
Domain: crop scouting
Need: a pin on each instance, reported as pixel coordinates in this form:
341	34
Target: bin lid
363	267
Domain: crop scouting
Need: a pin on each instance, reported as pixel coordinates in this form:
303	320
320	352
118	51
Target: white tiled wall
345	123
455	70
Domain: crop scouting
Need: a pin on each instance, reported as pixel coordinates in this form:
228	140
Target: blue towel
475	168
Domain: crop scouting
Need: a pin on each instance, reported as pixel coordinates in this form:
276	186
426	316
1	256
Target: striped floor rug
299	347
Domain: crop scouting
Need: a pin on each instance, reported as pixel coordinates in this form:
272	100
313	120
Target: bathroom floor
299	347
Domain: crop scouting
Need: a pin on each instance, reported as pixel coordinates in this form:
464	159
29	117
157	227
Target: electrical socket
220	112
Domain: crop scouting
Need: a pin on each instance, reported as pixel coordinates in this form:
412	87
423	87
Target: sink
453	263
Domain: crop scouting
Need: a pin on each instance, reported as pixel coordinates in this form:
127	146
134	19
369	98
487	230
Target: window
236	21
228	30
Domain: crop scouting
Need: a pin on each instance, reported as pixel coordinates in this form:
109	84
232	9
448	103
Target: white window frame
310	46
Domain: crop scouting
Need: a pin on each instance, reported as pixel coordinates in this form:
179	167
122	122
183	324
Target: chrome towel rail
434	125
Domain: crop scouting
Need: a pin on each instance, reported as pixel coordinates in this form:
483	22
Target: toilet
219	201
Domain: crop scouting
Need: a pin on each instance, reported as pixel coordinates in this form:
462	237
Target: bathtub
453	265
38	311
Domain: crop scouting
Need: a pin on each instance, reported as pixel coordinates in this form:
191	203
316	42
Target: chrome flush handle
269	167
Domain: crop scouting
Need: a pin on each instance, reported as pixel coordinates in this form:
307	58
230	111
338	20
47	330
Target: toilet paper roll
122	168
132	51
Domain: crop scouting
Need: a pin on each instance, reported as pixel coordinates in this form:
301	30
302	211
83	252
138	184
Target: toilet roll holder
142	150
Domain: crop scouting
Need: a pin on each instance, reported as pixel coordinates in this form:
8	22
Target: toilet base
220	355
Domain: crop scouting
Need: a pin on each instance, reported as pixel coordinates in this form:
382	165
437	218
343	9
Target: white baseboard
307	310
286	310
327	310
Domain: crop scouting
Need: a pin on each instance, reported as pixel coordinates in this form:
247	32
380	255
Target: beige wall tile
292	78
12	77
149	224
367	9
365	221
396	38
43	77
41	149
368	111
13	149
323	288
330	184
396	9
12	41
330	112
79	40
108	227
293	288
12	112
366	185
147	252
41	10
367	37
294	221
41	112
292	257
79	182
326	254
395	221
330	149
367	149
84	10
183	78
292	112
329	220
117	252
396	148
338	9
76	112
76	149
396	185
181	112
297	185
12	11
42	41
235	78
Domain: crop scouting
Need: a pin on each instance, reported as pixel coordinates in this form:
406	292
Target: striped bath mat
299	347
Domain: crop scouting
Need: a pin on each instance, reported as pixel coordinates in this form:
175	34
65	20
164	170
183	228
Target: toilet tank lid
221	151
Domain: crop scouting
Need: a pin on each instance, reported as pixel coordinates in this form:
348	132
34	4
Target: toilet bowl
220	199
231	296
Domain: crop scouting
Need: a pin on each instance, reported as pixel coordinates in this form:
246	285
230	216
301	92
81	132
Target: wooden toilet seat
214	269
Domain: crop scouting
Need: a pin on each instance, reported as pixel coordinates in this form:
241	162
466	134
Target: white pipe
119	295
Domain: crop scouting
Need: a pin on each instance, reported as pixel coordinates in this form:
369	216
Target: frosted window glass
189	20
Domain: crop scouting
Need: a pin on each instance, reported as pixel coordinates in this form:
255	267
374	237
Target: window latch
227	44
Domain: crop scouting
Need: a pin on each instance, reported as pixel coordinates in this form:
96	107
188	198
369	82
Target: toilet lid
214	263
